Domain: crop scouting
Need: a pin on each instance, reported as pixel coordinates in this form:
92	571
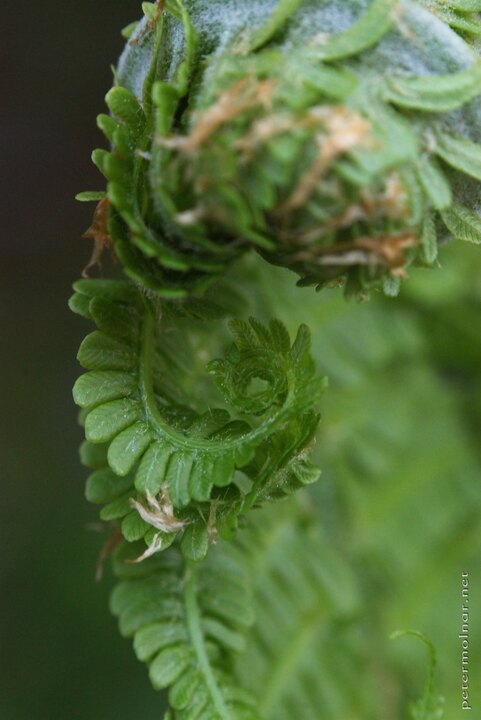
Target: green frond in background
398	500
339	141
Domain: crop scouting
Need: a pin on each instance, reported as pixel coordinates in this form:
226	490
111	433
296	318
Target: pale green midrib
198	644
162	429
283	667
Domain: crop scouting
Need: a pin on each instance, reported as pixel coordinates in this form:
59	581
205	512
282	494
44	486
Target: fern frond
157	446
399	500
306	601
188	622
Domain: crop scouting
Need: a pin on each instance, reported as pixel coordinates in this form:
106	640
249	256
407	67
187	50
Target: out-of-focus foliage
399	498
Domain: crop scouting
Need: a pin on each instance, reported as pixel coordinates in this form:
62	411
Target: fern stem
197	639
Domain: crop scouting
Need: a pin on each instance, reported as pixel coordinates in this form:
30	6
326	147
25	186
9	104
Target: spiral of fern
339	140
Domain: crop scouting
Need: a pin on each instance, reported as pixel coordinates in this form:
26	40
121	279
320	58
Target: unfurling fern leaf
167	467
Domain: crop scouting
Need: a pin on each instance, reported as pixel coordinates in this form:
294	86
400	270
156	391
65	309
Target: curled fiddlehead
331	153
159	454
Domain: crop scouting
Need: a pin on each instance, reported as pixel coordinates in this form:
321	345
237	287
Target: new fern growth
335	139
156	453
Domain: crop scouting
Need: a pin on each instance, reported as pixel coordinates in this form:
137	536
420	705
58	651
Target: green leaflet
79	304
174	456
125	107
93	456
456	13
129	30
462	23
371	27
101	352
166	98
105	422
187	622
177	8
461	153
133	527
90	196
149	8
104	486
115	290
334	82
128	447
118	508
151	471
195	542
435	94
463	224
429	240
100	386
282	11
465	5
434	182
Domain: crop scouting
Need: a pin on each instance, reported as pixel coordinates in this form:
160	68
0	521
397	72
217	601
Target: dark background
58	640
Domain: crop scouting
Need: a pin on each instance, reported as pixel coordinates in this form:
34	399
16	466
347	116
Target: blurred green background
400	495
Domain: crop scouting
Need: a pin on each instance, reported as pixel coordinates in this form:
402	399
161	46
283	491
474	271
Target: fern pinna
336	140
